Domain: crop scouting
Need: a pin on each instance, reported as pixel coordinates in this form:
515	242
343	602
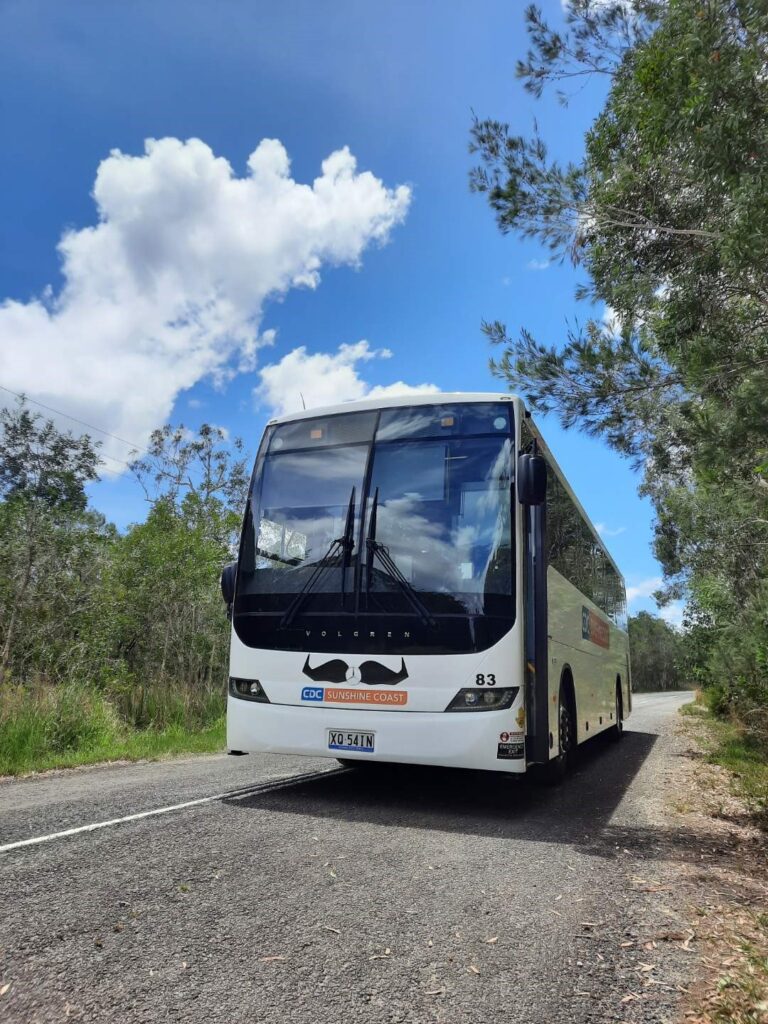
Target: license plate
363	742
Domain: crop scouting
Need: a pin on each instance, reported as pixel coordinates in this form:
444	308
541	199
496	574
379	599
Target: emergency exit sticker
511	746
594	629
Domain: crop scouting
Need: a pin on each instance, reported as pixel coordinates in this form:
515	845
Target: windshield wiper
341	548
378	550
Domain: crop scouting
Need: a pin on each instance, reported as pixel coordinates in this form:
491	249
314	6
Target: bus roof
394	401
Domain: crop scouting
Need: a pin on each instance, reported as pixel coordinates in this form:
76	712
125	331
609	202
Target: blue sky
396	84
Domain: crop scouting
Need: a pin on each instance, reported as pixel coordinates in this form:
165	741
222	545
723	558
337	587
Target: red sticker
595	629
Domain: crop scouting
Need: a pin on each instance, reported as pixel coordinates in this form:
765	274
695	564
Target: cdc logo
312	693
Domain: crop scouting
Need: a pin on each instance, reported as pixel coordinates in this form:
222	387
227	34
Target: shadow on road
577	813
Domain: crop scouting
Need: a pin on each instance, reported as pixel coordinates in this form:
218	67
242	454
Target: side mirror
228	576
531	479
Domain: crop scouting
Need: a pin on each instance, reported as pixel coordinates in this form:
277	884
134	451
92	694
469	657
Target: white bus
417	583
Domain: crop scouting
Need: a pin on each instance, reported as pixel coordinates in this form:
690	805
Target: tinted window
304	500
575	552
323	431
443	512
444	421
426	560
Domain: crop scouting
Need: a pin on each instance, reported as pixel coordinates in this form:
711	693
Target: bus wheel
557	767
618	730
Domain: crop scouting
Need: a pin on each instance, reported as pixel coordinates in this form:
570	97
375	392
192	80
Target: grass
744	756
62	727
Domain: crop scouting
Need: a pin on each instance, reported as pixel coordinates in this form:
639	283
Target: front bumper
452	740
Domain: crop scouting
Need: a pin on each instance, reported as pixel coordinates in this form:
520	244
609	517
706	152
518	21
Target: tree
47	468
668	215
52	547
206	467
657	653
165	625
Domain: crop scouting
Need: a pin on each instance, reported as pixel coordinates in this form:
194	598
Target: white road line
265	787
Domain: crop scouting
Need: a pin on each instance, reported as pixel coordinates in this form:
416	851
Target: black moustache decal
331	672
371	673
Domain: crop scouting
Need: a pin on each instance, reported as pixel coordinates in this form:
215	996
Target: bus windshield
443	512
405	515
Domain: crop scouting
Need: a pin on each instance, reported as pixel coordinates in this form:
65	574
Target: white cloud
640	592
325	378
673	613
538	264
605	531
611	321
643	589
627	6
169	286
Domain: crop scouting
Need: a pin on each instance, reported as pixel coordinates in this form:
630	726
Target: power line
112	458
25	398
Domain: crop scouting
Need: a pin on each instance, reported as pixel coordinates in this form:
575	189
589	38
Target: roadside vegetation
74	724
728	744
727	800
657	651
112	645
666	216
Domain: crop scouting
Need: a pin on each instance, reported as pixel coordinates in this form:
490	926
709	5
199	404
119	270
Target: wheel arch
568	685
620	691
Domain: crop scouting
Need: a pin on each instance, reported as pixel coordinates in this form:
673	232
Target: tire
558	767
618	729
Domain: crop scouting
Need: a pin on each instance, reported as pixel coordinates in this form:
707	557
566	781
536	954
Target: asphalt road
306	893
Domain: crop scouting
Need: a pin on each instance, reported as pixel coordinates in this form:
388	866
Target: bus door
537	740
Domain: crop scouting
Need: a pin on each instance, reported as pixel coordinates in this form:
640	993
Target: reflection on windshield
392	526
281	544
304	499
444	515
442	518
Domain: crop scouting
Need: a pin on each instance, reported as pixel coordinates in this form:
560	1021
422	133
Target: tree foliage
137	615
51	544
667	214
657	654
205	466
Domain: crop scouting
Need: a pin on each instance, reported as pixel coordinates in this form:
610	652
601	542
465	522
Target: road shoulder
727	882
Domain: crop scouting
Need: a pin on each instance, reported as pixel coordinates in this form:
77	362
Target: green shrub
40	722
159	705
43	726
79	718
718	698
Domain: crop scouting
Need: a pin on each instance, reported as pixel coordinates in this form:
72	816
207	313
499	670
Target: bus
417	583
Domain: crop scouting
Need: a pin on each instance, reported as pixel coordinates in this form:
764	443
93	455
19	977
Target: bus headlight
474	699
248	689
